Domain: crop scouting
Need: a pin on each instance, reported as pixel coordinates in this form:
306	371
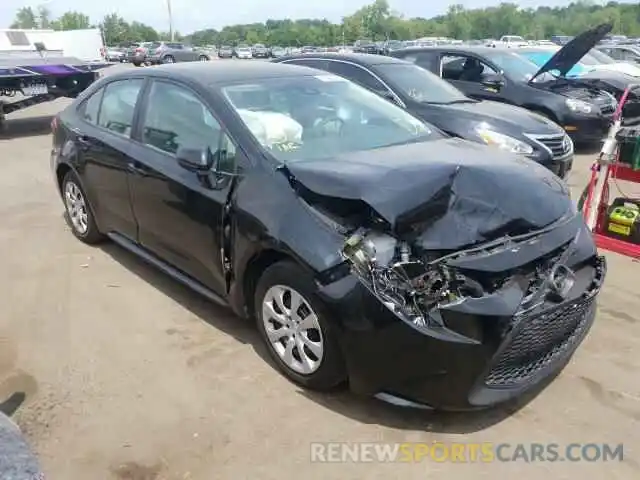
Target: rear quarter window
90	107
118	105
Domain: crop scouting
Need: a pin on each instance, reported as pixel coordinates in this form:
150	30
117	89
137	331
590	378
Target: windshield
542	57
596	57
420	84
517	67
310	117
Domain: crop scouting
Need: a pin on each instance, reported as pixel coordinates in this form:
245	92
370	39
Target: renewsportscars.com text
465	452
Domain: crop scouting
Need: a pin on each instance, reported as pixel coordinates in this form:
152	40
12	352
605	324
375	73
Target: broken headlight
407	285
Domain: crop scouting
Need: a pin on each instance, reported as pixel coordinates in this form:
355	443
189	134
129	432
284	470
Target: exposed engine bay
413	283
406	284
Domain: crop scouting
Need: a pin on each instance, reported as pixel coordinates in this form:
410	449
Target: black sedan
584	111
422	269
438	102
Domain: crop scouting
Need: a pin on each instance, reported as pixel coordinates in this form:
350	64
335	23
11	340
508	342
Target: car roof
208	73
358	58
481	50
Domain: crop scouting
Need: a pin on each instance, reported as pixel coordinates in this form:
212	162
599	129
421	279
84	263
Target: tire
203	58
79	213
137	64
168	59
326	369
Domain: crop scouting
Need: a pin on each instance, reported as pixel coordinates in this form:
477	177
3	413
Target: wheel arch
252	272
61	171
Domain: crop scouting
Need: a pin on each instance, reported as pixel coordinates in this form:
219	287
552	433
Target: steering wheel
333	125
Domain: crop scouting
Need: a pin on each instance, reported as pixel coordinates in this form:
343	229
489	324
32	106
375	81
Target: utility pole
171	35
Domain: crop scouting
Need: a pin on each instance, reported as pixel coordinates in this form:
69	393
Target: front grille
539	339
559	145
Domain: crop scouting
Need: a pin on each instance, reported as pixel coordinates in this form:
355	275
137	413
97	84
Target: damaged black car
370	248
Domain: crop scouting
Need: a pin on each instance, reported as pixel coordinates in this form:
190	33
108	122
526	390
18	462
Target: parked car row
155	53
389	222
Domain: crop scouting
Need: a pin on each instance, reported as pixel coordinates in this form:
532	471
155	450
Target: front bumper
503	357
587	129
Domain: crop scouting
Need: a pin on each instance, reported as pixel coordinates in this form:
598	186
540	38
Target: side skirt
166	268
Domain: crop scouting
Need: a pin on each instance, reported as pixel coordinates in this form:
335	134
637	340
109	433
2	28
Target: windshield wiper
453	102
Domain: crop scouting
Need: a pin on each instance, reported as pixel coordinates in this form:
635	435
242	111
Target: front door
467	74
180	212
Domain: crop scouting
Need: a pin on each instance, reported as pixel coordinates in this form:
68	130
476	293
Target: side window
464	68
176	118
426	61
358	75
91	107
303	62
118	105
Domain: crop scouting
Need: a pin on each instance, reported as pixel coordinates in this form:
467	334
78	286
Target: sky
191	15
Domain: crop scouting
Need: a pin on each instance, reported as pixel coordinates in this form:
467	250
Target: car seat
471	71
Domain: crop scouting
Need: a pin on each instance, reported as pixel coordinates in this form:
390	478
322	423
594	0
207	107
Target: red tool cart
615	224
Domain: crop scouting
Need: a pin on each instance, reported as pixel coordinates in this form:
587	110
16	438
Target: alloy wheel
293	329
76	207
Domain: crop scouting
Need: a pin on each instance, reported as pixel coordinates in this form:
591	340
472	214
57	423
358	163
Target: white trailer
85	45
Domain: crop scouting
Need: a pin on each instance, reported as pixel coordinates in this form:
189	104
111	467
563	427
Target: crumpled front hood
451	193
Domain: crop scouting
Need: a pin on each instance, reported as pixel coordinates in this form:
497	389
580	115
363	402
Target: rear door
180	212
103	137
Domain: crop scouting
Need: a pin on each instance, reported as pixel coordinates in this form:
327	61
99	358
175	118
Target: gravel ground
130	376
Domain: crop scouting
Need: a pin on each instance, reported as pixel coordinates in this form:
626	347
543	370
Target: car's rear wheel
203	58
168	59
293	323
78	211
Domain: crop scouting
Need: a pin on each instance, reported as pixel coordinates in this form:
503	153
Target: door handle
81	138
133	168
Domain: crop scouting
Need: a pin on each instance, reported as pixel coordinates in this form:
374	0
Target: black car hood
569	55
499	114
451	193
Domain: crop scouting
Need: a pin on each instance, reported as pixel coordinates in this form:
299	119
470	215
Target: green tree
44	17
375	21
25	18
72	21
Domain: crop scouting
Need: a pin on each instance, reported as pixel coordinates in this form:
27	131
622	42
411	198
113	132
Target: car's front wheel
293	323
78	212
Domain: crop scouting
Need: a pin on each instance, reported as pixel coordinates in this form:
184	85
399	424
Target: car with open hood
439	103
593	62
369	247
584	111
594	68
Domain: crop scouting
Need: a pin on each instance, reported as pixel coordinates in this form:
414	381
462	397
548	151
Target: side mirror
195	159
493	81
